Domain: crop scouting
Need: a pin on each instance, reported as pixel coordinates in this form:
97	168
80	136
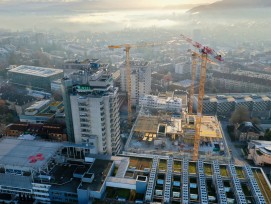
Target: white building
164	103
140	79
179	68
260	152
95	113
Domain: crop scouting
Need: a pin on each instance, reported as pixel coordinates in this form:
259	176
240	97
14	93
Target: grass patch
162	165
266	191
240	172
133	162
177	166
208	169
223	171
114	193
115	171
145	163
192	168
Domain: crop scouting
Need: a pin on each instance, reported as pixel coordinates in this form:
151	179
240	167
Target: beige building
260	152
248	131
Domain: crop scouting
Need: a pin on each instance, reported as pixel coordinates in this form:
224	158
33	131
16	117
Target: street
236	153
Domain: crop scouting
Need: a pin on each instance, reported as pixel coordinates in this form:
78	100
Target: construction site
162	133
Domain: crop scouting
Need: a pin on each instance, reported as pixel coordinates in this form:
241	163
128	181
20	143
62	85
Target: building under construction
162	133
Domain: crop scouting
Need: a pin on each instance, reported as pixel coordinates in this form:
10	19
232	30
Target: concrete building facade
161	103
260	152
140	79
92	109
65	176
224	105
35	77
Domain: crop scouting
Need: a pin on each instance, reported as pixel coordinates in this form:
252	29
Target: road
236	153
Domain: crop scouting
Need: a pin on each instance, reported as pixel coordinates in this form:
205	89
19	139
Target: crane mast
200	105
127	48
205	51
193	73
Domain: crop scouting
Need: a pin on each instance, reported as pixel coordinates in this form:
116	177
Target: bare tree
240	115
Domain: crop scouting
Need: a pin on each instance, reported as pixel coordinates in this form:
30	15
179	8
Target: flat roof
100	169
16	181
36	71
147	124
210	127
17	153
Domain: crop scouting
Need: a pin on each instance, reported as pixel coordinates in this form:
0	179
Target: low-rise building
67	173
260	152
224	105
248	131
35	77
161	103
44	131
41	111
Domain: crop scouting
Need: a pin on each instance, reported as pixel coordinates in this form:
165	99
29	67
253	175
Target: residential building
140	79
161	103
34	77
224	105
242	81
247	131
92	111
44	131
41	111
260	152
77	64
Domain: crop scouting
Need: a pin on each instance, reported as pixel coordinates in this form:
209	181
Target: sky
100	14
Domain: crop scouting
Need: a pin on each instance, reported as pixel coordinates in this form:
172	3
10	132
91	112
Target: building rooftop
23	153
36	71
100	169
147	124
15	181
39	104
236	98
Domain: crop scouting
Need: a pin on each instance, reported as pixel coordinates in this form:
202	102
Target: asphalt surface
236	153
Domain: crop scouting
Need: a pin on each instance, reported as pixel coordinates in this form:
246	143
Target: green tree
267	135
9	118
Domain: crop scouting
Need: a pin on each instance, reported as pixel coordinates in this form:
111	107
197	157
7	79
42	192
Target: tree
267	135
240	115
256	121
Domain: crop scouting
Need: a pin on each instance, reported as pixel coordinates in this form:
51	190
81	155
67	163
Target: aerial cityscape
152	102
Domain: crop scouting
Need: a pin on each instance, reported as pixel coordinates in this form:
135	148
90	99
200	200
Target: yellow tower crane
205	51
195	57
127	48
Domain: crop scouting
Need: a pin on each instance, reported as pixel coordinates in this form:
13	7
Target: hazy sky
108	3
101	14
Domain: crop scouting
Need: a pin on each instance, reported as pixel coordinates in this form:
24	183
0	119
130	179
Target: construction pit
166	135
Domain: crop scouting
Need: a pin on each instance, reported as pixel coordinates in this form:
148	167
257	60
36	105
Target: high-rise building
140	79
92	110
